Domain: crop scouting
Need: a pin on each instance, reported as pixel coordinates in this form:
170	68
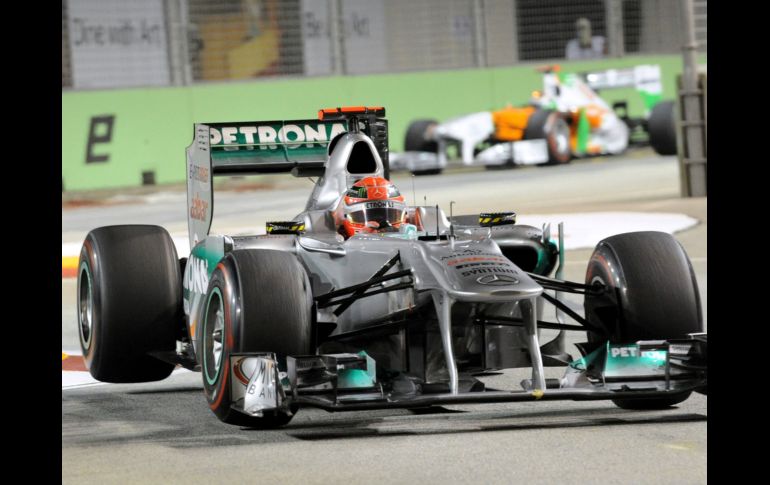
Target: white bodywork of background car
569	96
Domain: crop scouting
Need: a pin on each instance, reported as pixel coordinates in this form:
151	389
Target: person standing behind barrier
585	46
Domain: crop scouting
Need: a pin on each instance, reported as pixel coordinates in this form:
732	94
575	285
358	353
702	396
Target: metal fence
114	43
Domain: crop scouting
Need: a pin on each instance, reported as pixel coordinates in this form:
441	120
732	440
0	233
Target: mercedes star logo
497	280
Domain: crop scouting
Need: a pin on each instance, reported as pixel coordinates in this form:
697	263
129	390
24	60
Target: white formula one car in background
566	119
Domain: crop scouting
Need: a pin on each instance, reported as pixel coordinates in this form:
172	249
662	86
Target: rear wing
646	79
255	147
265	146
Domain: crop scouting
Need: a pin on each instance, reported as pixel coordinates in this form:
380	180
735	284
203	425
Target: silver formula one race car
363	302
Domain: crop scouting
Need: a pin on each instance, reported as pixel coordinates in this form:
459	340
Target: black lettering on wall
100	131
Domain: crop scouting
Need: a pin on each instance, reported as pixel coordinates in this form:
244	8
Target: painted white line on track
77	379
70	249
585	230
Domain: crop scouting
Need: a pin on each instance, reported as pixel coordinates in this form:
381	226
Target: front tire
129	302
651	294
547	124
257	301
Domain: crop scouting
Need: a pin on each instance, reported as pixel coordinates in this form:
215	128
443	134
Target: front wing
349	382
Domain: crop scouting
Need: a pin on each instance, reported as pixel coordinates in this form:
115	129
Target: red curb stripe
74	362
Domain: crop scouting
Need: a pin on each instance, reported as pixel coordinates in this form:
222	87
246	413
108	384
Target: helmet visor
380	215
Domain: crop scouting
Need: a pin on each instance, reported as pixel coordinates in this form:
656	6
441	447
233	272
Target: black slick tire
265	302
661	128
651	294
129	302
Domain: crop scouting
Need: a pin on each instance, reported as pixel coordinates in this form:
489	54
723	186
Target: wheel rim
85	307
213	336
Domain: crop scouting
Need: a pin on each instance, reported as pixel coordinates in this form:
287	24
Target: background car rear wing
255	147
646	79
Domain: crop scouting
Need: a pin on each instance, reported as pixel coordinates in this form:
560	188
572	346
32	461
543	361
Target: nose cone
478	271
507	286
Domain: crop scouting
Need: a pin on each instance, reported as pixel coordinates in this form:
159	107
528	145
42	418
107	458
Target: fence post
176	37
479	31
692	124
337	41
613	10
515	46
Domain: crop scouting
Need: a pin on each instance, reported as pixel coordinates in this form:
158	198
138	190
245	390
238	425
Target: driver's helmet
372	204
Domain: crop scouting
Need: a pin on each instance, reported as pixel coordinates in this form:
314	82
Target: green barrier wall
152	127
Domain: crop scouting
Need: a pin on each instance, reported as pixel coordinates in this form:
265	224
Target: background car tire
416	140
547	124
662	128
267	304
129	302
432	171
653	295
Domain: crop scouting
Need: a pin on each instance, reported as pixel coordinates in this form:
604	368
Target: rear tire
662	128
129	302
265	300
418	140
433	171
417	136
547	124
652	295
